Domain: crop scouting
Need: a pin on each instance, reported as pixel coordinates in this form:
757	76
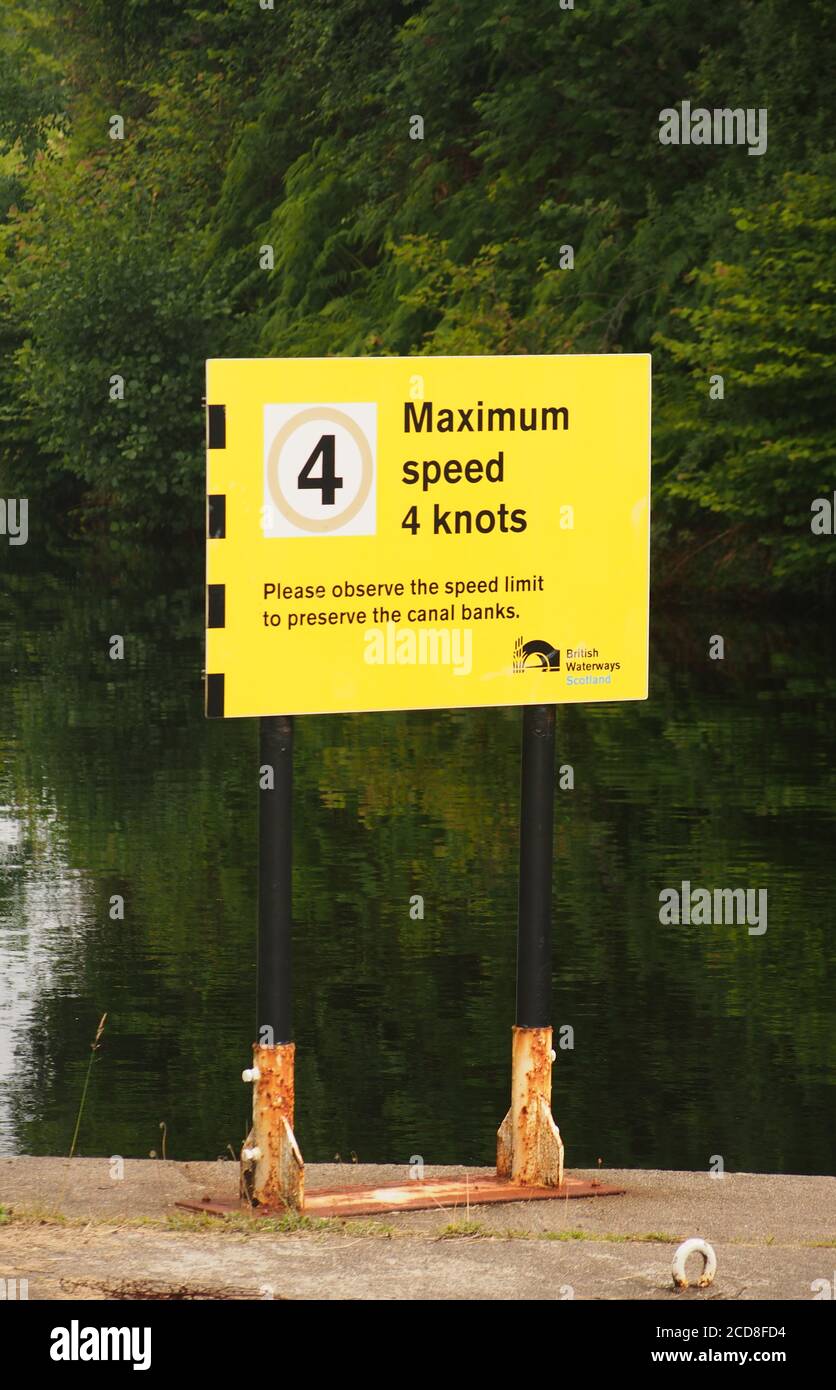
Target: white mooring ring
695	1246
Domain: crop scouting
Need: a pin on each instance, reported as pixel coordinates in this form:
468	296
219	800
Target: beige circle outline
304	417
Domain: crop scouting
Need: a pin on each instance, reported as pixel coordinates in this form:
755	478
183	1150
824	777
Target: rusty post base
529	1149
272	1171
529	1157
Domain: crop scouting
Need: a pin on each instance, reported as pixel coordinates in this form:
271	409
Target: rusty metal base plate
412	1196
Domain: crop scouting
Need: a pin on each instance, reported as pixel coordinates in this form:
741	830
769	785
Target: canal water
689	1041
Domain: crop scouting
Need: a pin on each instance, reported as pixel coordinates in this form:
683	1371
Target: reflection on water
44	905
689	1041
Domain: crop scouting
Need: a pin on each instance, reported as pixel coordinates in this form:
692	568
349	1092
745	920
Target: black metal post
534	963
275	865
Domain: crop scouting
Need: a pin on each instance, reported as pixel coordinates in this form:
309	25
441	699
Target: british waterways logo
536	655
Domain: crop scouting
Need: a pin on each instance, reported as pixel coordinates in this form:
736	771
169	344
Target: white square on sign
320	469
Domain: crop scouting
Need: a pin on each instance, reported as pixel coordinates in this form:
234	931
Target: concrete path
75	1231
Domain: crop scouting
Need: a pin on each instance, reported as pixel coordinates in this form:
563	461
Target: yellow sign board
426	532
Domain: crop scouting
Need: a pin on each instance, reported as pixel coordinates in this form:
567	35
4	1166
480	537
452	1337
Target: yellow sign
424	532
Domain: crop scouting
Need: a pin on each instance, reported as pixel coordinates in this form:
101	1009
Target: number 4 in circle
327	482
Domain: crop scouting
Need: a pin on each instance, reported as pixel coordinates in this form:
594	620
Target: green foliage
108	277
290	128
30	83
765	322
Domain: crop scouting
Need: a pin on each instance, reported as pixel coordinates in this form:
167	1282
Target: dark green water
689	1041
